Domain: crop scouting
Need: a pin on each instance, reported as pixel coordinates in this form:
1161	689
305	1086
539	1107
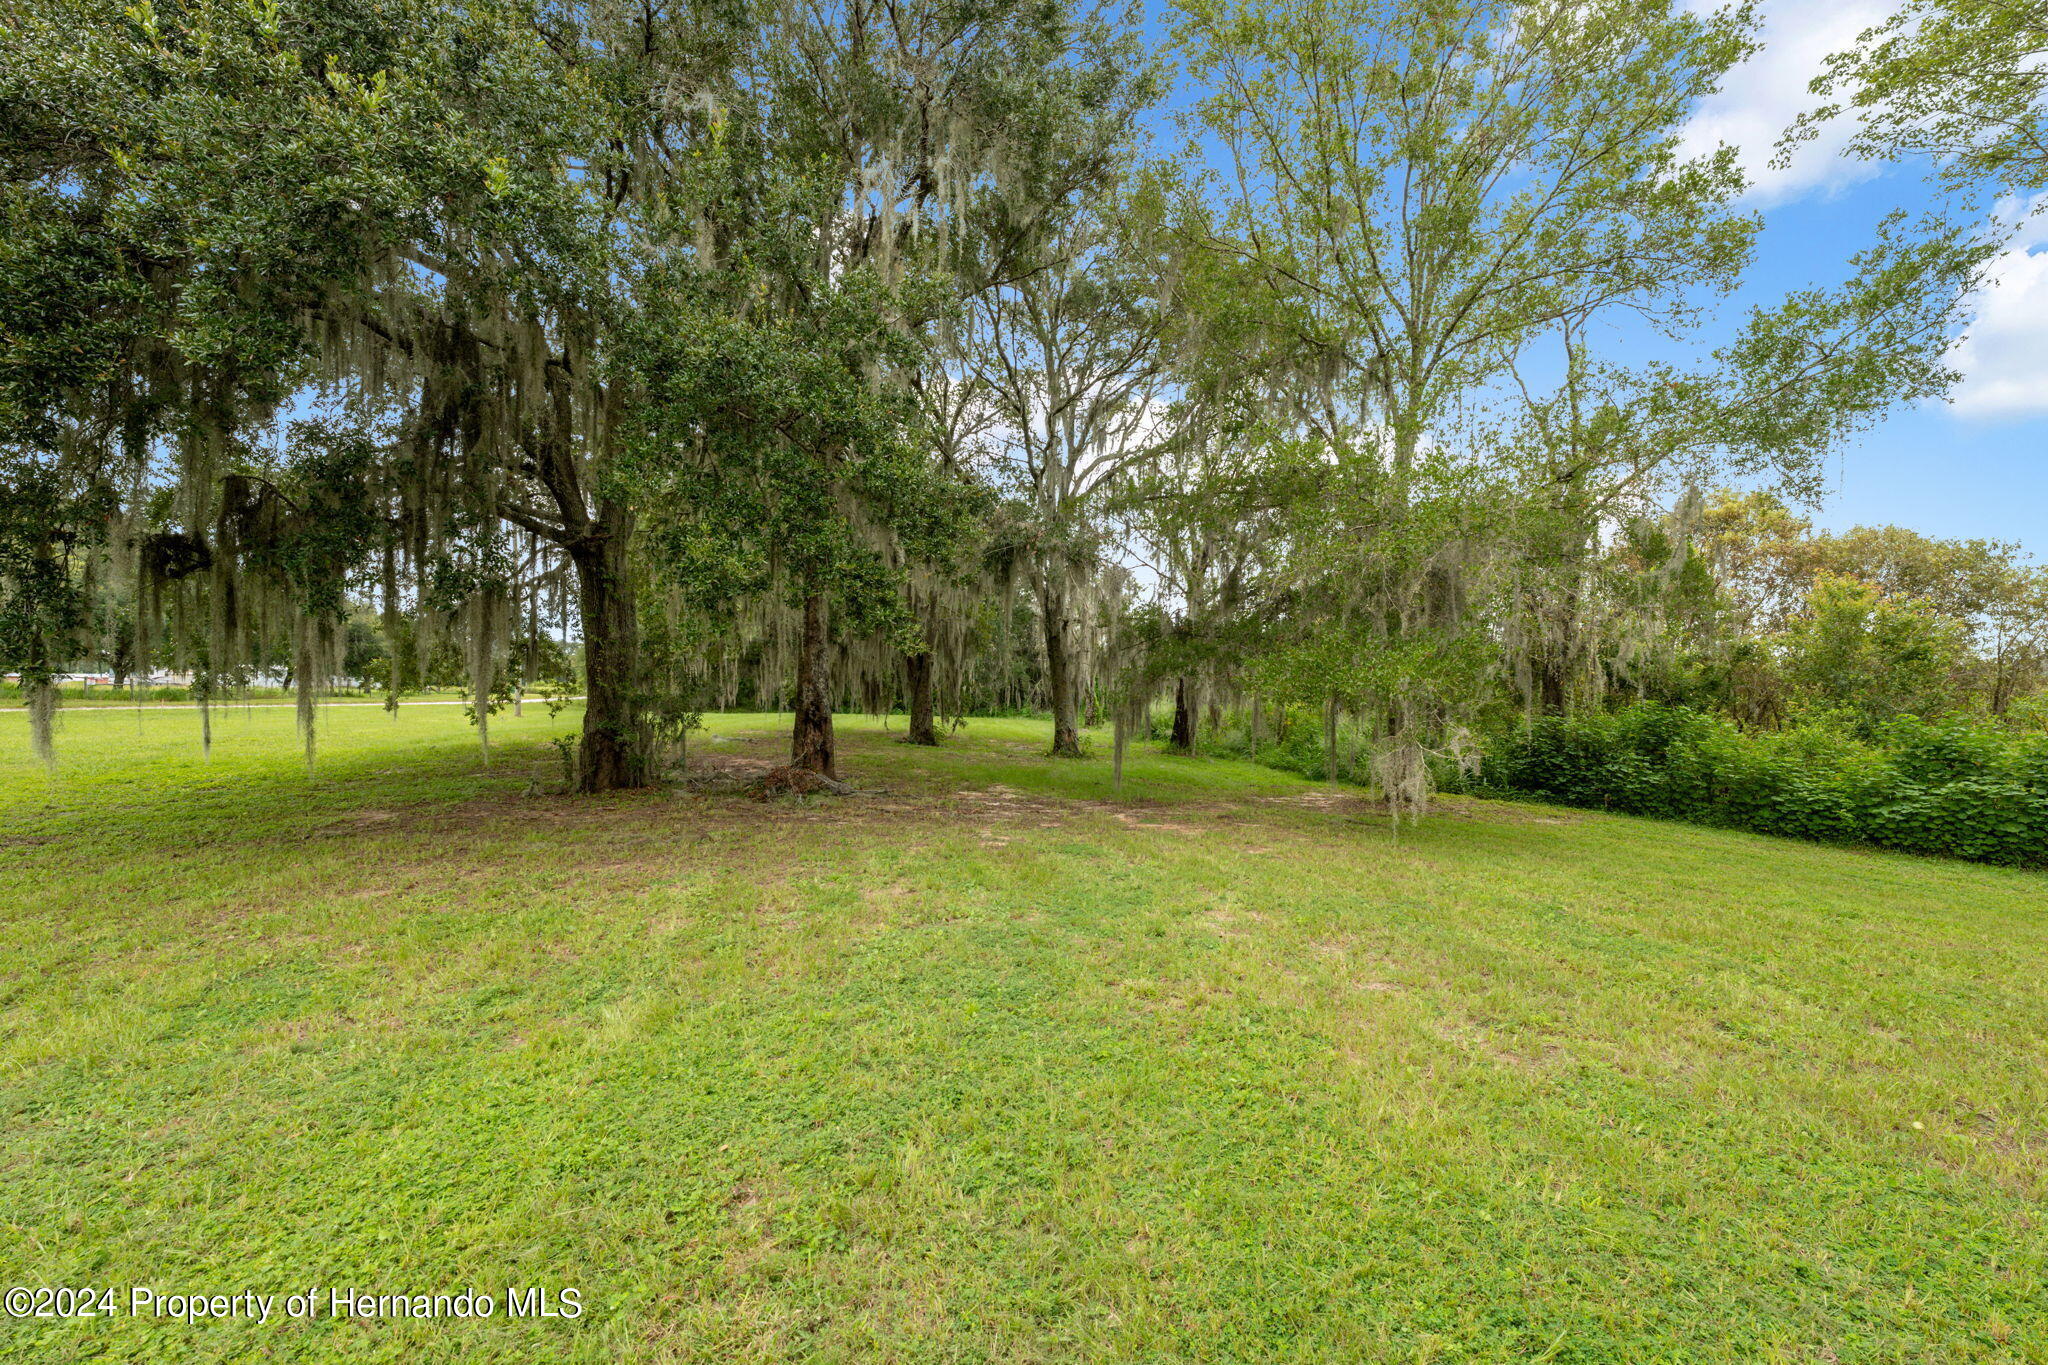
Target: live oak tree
920	146
1205	515
444	222
410	212
947	595
955	129
789	466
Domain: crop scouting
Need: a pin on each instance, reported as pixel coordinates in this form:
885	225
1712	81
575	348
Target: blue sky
1977	465
1974	466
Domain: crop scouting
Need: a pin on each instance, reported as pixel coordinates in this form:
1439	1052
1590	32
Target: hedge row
1953	788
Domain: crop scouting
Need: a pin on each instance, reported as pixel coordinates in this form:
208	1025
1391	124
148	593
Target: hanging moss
42	720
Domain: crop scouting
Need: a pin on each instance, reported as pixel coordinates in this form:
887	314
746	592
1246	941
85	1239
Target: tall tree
1420	189
419	212
924	143
1071	355
1414	192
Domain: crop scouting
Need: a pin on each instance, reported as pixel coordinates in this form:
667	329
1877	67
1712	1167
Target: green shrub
1298	748
1953	788
2027	764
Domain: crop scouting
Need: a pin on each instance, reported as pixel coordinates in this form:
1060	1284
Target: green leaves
1437	184
313	524
1960	82
1951	789
1875	656
1824	363
771	445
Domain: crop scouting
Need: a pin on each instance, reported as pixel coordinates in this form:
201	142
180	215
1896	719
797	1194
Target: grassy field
987	1066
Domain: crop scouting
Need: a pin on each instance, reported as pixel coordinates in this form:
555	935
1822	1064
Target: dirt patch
1126	818
792	781
1501	812
1527	1056
1008	803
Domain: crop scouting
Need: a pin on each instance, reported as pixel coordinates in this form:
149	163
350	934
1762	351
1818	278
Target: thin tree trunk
2001	681
613	755
1183	716
810	741
1330	739
917	675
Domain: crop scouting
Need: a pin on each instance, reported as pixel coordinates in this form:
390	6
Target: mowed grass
989	1066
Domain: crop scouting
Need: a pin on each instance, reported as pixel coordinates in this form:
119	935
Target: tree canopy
693	353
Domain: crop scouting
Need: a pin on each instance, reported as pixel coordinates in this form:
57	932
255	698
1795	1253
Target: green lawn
988	1066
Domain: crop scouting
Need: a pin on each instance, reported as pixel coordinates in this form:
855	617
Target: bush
1953	788
1298	748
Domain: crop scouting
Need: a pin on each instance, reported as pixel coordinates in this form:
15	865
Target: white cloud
1760	99
2004	356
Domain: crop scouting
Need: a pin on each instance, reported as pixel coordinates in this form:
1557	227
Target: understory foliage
1955	788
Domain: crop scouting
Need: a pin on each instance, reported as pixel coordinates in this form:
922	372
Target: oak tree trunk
1059	674
917	674
1183	716
810	742
1550	691
614	752
1554	684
